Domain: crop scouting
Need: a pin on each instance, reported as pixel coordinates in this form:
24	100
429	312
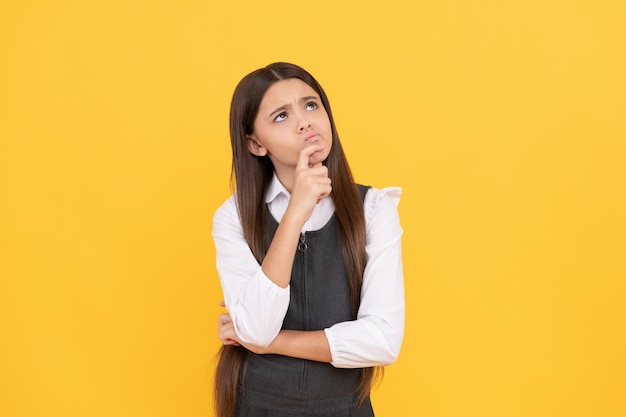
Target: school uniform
317	298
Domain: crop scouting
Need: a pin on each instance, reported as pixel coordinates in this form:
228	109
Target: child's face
291	116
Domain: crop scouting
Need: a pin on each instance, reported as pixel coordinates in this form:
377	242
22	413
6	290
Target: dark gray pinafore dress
281	386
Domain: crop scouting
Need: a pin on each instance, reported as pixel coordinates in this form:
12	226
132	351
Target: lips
312	137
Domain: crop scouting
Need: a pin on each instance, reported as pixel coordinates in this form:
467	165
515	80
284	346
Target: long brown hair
251	176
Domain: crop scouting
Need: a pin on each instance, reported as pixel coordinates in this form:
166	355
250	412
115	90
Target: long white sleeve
256	305
376	336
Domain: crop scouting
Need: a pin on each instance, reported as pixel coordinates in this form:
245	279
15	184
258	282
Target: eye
311	105
282	116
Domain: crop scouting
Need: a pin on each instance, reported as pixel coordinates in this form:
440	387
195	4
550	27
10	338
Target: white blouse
257	306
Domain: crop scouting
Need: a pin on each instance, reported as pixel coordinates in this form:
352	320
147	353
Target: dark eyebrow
279	109
286	106
307	98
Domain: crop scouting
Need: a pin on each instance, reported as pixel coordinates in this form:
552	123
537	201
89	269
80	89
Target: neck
286	178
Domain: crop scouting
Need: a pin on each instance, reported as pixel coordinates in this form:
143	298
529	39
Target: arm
308	186
311	345
257	304
257	297
376	336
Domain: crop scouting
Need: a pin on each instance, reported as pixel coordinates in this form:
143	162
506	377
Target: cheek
324	122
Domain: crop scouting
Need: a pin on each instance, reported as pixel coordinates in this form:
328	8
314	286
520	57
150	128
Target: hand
226	330
311	183
226	333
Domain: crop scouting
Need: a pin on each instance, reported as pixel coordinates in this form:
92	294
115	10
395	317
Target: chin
323	157
317	160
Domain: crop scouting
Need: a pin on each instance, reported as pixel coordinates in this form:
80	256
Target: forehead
286	92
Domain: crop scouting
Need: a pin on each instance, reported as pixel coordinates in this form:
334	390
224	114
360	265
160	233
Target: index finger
305	154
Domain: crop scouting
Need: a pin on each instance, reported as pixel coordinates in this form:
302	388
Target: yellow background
503	121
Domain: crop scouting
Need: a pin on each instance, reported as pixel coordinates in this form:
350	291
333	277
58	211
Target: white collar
275	189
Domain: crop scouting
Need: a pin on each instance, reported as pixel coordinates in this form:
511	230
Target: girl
309	262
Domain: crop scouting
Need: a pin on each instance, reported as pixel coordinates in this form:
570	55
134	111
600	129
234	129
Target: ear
255	147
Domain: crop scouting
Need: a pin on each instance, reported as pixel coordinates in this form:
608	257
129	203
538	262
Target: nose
303	124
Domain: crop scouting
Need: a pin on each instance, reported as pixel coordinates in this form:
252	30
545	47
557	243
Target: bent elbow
394	356
391	353
257	337
389	357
